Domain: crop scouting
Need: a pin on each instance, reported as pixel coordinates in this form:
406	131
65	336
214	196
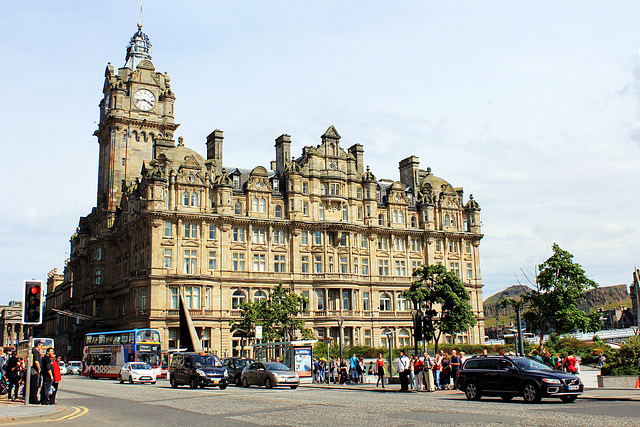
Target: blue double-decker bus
106	352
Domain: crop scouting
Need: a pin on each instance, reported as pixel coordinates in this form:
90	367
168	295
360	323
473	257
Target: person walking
418	368
353	368
437	369
445	375
403	371
47	377
35	373
428	373
571	363
455	368
12	368
380	370
55	364
412	377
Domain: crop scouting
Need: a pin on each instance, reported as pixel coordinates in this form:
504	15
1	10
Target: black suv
197	369
234	366
510	376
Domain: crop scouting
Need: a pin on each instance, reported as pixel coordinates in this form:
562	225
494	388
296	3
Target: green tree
436	287
277	314
553	304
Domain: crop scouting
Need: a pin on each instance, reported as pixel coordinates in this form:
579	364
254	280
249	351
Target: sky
532	107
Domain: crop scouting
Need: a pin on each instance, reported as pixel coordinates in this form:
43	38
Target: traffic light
32	303
417	327
427	328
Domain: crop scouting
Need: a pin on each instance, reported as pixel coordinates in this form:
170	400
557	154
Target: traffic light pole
29	361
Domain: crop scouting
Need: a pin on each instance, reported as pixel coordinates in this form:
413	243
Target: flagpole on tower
140	20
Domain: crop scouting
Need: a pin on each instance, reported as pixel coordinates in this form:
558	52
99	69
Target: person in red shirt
380	370
56	378
418	366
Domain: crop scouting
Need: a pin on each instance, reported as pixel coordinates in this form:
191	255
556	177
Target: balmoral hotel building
170	221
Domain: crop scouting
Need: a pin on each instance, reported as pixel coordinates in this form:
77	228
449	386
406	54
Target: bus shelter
296	355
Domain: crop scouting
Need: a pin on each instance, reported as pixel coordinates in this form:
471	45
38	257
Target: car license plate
573	387
216	381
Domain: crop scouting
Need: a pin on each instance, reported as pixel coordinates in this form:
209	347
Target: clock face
397	198
144	100
259	185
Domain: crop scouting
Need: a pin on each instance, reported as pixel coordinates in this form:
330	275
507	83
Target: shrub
625	361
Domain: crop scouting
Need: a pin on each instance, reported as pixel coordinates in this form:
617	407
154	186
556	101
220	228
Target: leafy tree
553	304
625	361
277	314
435	286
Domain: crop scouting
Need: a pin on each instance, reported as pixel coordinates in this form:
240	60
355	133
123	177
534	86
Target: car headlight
201	372
225	373
551	381
276	375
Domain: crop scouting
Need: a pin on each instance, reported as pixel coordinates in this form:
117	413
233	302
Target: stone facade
169	221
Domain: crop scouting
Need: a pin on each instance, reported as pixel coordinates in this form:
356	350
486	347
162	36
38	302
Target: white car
137	372
63	368
74	367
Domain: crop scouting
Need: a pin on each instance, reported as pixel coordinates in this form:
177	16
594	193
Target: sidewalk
10	411
589	393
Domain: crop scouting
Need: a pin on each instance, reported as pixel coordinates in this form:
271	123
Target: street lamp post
327	341
389	334
340	323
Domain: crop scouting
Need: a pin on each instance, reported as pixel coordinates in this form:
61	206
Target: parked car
269	374
63	368
74	367
511	376
137	372
197	370
234	366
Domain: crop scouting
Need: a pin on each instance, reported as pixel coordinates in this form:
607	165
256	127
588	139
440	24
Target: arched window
404	338
401	217
238	208
259	296
395	215
385	302
386	334
237	298
194	199
255	204
185	198
263	205
321	211
414	222
278	211
381	219
402	303
465	224
446	220
345	213
453	221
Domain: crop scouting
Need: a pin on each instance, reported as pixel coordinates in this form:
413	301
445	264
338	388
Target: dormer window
276	185
236	182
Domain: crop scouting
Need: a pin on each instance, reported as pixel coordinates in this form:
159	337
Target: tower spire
139	47
140	19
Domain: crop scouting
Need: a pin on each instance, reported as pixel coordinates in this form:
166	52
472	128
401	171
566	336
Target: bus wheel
91	374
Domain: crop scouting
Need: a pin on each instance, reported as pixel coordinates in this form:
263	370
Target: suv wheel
472	391
193	382
568	399
245	383
173	382
531	393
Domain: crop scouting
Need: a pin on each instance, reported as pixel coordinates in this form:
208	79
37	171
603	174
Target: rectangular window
414	266
363	241
278	263
367	337
143	299
398	243
415	245
455	267
330	264
360	213
259	235
401	269
292	205
438	245
365	266
304	238
276	185
467	247
305	208
173	297
98	277
344	267
383	267
320	299
453	246
192	297
212	260
238	234
259	262
355	265
190	261
212	232
305	188
305	304
317	238
98	254
167	229
317	264
305	264
278	237
359	193
346	300
167	258
469	271
368	211
383	243
190	230
238	261
344	239
236	182
365	301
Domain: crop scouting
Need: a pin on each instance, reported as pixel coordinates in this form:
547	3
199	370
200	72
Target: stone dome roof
178	155
437	184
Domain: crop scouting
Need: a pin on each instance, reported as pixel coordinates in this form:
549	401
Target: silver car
74	367
269	374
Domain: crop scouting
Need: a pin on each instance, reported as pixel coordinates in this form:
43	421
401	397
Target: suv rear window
481	363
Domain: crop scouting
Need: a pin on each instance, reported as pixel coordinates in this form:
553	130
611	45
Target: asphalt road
111	403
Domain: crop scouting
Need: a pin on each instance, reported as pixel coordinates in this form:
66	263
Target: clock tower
136	123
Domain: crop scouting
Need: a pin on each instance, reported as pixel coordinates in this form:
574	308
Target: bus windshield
206	360
153	359
148	336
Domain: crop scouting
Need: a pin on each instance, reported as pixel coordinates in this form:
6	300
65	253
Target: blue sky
532	107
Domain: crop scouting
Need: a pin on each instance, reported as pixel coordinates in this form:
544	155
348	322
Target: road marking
75	411
84	411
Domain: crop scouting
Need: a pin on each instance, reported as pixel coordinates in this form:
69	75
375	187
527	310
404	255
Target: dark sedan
510	376
234	366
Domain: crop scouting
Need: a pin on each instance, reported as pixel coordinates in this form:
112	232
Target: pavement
11	411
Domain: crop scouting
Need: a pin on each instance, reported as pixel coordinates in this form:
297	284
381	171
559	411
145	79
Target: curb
58	409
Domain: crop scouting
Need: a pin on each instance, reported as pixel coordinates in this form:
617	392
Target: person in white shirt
403	371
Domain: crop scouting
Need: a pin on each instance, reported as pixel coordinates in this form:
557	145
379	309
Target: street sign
258	332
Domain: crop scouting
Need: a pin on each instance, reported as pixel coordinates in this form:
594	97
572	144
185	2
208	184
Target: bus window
148	336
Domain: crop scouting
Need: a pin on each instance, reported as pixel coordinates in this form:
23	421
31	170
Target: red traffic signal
32	303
